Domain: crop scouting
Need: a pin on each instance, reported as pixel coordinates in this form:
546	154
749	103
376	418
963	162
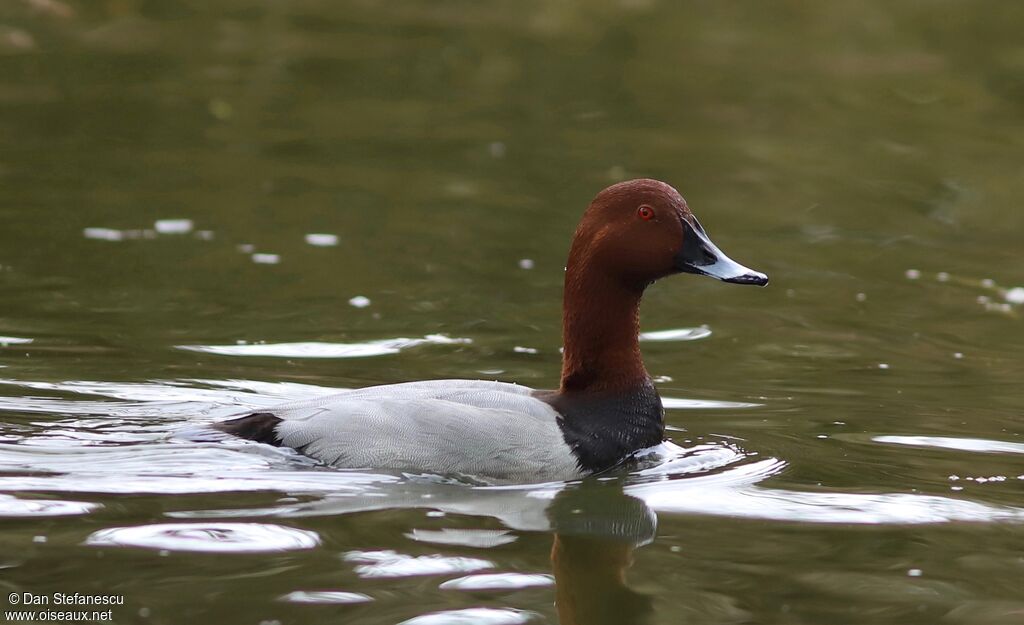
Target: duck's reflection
597	527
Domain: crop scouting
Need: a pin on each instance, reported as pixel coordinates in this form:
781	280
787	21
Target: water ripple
962	444
13	340
325	597
475	616
478	539
15	507
498	581
678	334
374	564
675	403
130	443
207	537
381	347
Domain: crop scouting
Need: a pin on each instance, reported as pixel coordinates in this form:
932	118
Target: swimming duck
606	408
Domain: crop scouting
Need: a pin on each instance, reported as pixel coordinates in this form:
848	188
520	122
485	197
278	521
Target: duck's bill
700	256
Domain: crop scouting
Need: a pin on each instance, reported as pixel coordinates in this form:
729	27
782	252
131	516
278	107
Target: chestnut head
642	230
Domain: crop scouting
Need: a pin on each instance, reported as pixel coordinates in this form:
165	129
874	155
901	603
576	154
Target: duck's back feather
494	431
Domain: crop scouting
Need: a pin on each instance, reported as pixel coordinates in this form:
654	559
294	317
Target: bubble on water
958	355
173	226
266	259
359	301
207	537
205	235
245	248
497	149
103	234
39	539
912	274
988	283
524	350
861	297
526	263
883	365
942	276
914	573
322	239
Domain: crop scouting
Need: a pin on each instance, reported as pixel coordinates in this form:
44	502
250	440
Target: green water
875	477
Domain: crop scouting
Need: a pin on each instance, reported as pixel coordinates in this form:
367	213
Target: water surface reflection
596	529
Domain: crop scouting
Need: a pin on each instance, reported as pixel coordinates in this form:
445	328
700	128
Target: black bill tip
755	278
702	257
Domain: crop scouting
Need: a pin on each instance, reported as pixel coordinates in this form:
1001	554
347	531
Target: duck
606	409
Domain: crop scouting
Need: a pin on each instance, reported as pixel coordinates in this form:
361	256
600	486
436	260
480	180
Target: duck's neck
600	330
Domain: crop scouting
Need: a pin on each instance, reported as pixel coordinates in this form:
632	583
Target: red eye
645	212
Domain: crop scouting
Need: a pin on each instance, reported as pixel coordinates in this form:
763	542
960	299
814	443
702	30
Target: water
210	207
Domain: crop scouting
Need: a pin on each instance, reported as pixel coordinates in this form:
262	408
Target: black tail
260	427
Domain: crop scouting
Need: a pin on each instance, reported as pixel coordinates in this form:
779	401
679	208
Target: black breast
603	429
